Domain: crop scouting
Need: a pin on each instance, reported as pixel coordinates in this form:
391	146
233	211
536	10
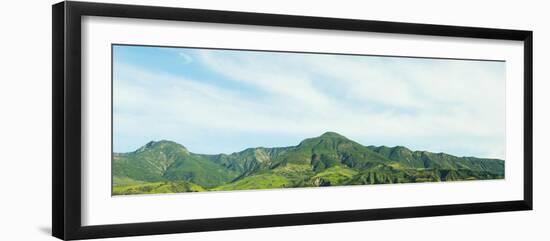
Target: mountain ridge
326	160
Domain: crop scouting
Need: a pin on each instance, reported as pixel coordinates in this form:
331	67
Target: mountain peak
402	148
162	145
325	139
330	134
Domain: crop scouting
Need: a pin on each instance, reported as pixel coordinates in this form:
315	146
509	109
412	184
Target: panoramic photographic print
198	120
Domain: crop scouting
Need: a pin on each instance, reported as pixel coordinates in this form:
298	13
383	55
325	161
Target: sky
222	101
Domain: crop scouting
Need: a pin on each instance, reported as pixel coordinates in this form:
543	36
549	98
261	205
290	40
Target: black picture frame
66	75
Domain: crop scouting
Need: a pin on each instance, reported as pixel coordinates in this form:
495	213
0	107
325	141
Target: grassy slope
157	187
259	181
334	176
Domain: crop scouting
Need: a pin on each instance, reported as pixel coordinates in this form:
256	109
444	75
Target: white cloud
446	105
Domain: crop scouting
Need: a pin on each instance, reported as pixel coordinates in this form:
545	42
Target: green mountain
169	161
328	160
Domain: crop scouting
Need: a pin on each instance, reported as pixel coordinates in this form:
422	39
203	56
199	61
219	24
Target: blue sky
223	101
